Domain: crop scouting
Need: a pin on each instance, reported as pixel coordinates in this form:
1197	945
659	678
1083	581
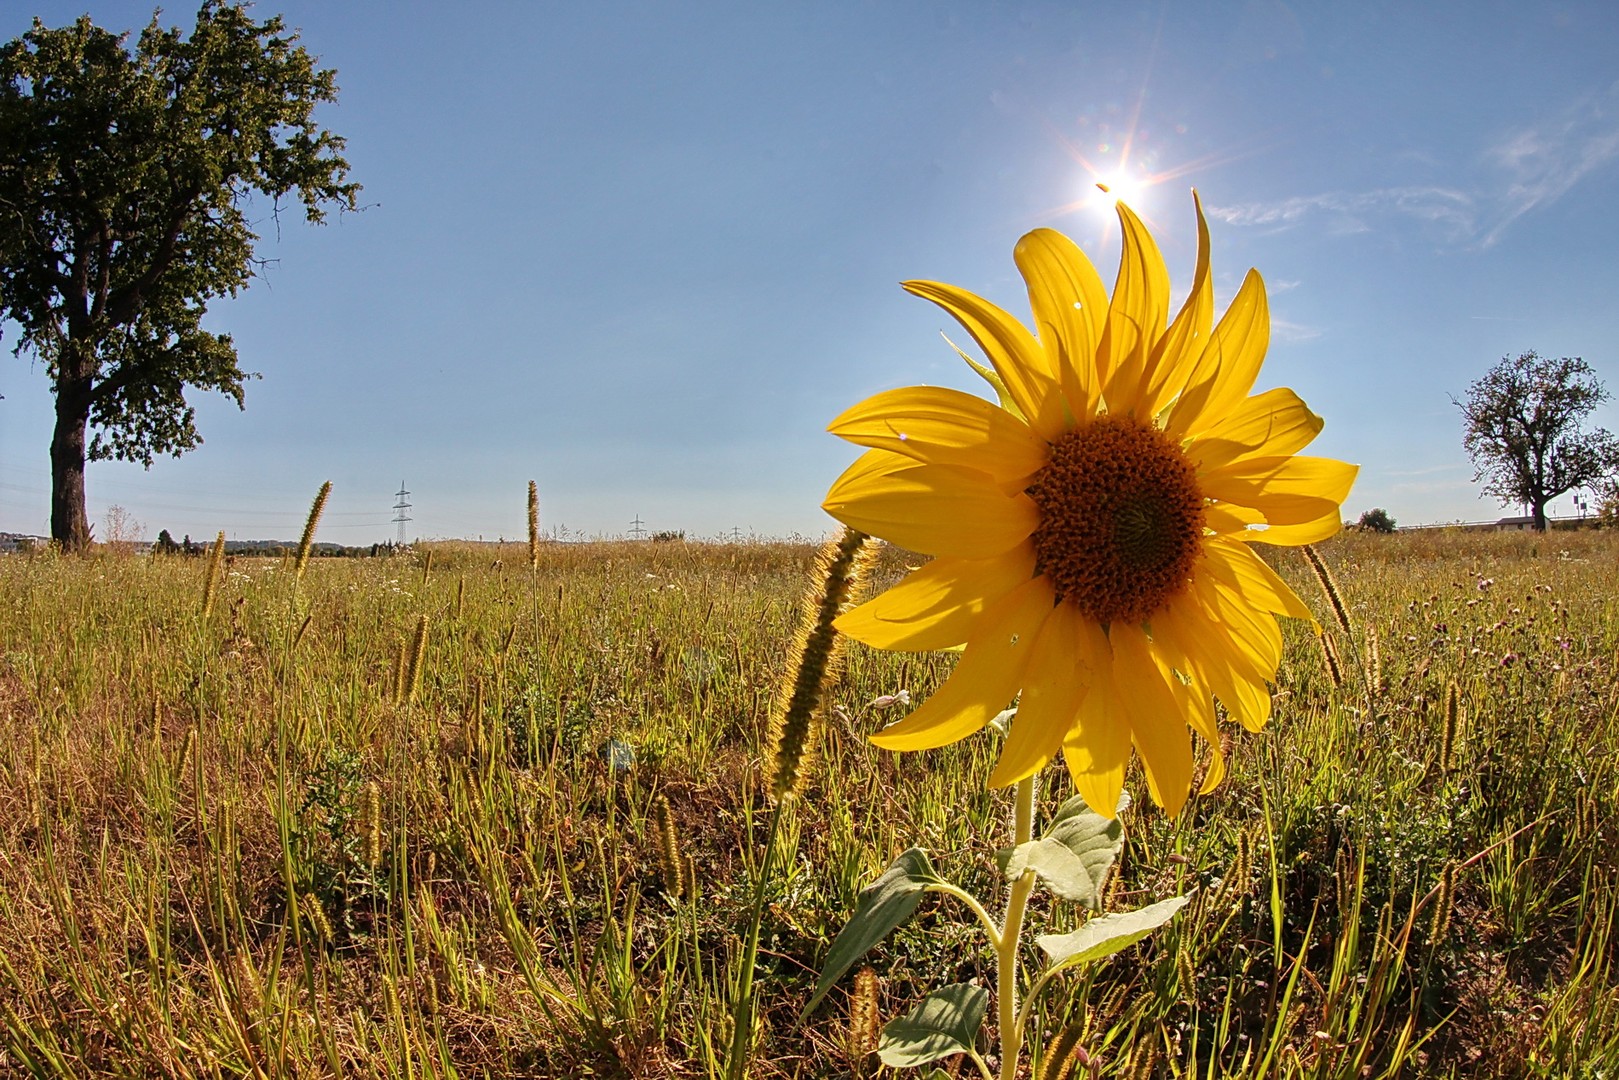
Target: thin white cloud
1542	163
1289	333
1450	210
1526	168
1430	471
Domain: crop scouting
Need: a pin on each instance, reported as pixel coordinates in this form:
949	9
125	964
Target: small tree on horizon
125	176
1521	427
1376	520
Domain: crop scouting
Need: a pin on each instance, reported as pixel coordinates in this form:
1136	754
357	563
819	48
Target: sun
1120	186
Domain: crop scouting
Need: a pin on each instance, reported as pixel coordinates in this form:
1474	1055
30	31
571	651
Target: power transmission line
400	517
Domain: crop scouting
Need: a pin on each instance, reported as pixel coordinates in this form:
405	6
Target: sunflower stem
1007	947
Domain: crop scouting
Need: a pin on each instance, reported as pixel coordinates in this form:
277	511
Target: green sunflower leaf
1108	934
943	1023
1073	856
881	907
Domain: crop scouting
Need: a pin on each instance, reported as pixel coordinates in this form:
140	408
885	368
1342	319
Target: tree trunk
1540	515
69	526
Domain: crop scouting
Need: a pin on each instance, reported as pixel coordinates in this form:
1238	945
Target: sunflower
1092	530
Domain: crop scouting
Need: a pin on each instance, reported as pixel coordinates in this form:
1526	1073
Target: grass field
283	840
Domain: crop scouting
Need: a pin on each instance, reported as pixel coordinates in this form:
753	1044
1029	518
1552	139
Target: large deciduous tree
1523	430
126	177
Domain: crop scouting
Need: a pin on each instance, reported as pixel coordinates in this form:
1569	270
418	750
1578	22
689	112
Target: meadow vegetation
452	814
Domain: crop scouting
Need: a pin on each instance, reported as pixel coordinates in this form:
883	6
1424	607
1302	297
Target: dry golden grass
228	848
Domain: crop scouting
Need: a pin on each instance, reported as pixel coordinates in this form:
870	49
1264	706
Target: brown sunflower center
1121	519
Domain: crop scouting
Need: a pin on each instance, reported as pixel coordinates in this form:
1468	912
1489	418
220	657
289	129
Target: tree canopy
1522	428
126	176
1376	520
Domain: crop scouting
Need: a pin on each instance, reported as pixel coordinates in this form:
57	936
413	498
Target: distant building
22	542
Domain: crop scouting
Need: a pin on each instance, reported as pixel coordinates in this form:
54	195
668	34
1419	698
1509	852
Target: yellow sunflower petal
939	426
1250	635
1238	566
1287	490
1069	303
1310	532
1273	424
1016	357
1198	706
936	606
1056	681
986	677
1226	371
1176	353
1191	638
1226	519
1135	317
934	509
1097	747
1156	722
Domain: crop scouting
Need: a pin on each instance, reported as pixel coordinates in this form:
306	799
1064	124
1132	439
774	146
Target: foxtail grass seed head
1112	1006
216	561
841	568
1444	901
1243	867
1385	921
430	993
1143	1059
1453	714
182	764
373	824
427	566
307	541
401	665
249	989
1065	1057
864	1025
533	525
1330	587
1329	652
1186	974
413	669
1112	887
1373	662
671	868
315	917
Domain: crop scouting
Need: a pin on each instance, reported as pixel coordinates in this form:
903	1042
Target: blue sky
643	253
